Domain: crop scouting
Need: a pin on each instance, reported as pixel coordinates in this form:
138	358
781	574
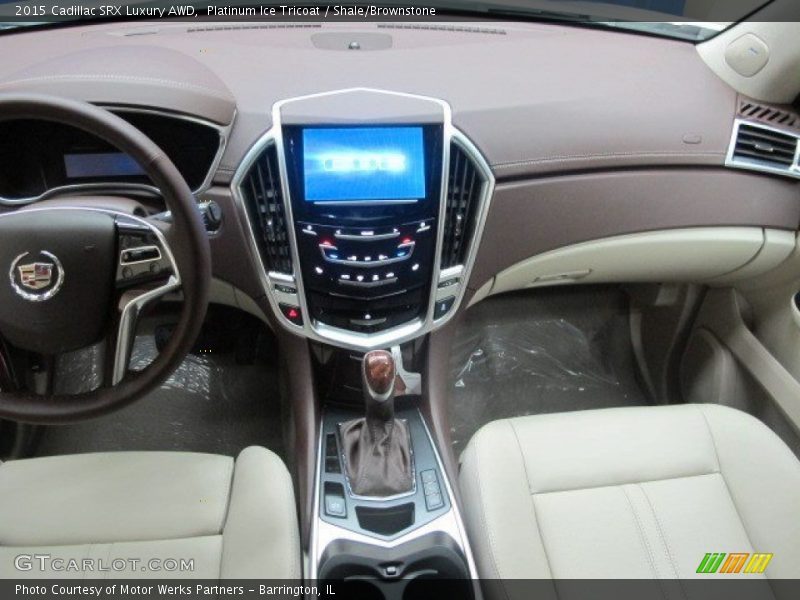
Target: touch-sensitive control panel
367	279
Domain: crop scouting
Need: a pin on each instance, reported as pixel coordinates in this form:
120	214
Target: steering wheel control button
141	257
292	313
443	307
138	255
36	277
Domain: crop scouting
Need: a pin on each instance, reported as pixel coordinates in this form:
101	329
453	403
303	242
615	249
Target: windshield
695	20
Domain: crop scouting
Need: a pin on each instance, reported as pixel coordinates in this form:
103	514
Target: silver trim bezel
754	165
407	331
222	130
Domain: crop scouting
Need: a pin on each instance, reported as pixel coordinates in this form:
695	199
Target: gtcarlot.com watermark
58	564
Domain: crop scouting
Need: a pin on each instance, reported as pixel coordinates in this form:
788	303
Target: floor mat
209	404
546	351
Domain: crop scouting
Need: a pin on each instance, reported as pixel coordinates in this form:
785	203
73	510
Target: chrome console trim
407	331
222	130
324	533
754	165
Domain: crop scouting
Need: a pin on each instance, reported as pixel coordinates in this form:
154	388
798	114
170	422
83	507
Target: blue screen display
101	164
363	164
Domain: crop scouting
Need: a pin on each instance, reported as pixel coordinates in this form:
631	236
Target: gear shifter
377	448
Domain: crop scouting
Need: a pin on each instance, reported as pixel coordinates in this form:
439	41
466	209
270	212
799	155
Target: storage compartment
683	255
431	566
386	521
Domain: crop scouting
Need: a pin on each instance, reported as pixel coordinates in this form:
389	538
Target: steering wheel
71	276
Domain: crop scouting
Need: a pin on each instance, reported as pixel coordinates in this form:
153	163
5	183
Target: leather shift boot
377	456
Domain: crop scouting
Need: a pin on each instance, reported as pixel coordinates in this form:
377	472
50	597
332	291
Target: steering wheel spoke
146	272
132	304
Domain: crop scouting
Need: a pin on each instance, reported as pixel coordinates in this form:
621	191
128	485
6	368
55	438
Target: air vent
263	198
465	184
765	147
769	115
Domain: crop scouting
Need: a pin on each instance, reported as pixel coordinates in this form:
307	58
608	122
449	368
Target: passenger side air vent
770	115
759	146
465	185
263	198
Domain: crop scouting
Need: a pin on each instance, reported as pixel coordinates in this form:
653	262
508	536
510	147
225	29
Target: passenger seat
629	493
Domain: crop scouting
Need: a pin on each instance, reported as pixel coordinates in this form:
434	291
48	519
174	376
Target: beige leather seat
233	519
629	493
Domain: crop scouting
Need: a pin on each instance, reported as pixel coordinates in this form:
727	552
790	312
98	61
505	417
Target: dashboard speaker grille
465	184
264	202
755	143
771	115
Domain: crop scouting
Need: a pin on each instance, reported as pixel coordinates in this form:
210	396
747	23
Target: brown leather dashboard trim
529	217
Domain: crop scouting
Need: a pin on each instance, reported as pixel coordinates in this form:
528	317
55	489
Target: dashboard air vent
769	115
765	147
263	198
465	184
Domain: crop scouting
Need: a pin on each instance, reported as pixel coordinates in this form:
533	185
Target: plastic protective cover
209	404
541	352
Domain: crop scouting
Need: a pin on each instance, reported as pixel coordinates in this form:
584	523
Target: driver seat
233	519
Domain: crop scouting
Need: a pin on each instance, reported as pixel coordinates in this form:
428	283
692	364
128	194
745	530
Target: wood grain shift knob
379	372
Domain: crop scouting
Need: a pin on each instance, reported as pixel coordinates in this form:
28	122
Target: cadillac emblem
37	280
36	276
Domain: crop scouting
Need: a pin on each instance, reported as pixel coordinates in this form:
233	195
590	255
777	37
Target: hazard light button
292	313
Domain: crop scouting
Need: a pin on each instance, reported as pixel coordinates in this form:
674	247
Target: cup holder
431	566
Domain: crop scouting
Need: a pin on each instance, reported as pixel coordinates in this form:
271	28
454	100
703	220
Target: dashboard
370	195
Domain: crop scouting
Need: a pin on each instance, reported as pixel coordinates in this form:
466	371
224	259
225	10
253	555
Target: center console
365	209
392	529
365	205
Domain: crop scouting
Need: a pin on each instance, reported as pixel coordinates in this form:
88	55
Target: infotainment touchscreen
345	164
